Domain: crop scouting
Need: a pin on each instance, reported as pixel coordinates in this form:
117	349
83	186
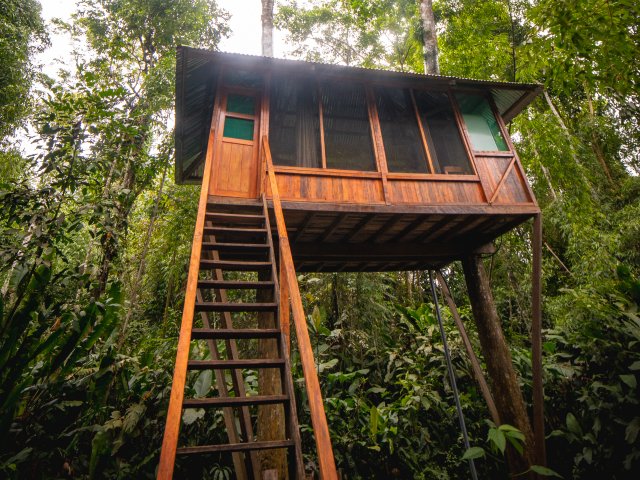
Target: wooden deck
329	237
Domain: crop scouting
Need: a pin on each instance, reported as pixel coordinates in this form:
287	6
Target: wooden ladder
240	242
239	238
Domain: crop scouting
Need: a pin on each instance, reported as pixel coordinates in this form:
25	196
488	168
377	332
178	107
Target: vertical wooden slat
425	145
326	460
378	144
321	117
507	137
264	131
174	414
464	134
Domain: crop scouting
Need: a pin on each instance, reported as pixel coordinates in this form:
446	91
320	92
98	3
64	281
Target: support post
326	460
506	391
271	418
475	363
536	341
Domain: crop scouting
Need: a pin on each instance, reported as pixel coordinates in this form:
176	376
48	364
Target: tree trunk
506	391
429	38
270	417
267	28
137	282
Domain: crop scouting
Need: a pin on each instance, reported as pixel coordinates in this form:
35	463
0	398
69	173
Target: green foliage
379	33
22	33
80	385
95	240
477	39
592	384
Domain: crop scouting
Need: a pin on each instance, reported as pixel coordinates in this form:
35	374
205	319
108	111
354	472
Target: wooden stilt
536	341
475	364
270	424
506	390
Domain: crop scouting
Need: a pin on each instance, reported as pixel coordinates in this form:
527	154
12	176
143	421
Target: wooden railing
290	294
174	413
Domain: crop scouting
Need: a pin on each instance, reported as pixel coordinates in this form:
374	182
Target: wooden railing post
326	460
174	413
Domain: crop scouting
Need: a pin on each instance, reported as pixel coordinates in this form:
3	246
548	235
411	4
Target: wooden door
235	164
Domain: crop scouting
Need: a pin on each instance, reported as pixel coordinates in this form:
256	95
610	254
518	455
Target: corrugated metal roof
195	92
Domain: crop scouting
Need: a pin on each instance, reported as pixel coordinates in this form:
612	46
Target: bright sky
245	36
245	24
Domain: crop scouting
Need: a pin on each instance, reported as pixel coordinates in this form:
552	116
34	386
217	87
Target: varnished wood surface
235	163
318	417
505	185
174	414
536	342
316	188
327	236
497	177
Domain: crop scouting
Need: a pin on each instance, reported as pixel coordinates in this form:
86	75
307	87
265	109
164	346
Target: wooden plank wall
492	168
498	177
299	184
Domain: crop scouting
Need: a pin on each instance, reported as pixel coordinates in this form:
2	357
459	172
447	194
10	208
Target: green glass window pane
242	78
481	123
241	104
238	128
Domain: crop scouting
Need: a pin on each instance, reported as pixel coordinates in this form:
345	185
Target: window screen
443	137
347	133
243	78
481	123
400	131
294	123
241	104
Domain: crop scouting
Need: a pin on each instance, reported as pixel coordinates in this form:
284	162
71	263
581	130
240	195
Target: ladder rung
255	205
225	246
235	265
234	216
227	364
235	447
234	401
234	284
212	230
227	333
235	307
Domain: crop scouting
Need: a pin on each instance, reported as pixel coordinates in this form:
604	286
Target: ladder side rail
296	464
326	459
174	413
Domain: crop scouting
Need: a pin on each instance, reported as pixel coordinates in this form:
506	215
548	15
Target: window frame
509	152
377	138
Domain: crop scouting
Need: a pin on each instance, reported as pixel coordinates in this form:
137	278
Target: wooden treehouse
309	167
